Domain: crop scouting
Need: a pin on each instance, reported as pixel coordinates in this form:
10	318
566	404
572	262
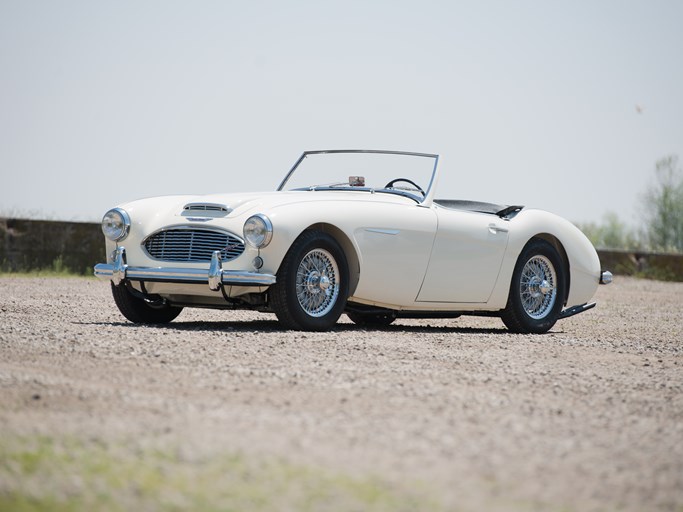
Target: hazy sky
533	103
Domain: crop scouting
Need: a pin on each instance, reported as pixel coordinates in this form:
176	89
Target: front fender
386	238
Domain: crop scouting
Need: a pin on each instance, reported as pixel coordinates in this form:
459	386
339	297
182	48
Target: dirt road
431	415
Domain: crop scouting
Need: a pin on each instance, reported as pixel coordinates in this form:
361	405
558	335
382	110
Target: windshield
395	172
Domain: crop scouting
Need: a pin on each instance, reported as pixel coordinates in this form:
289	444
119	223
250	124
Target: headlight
258	231
115	224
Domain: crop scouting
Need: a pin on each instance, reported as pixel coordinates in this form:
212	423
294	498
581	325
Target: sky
560	105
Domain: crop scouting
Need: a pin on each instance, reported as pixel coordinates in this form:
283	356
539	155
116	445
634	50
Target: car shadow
273	326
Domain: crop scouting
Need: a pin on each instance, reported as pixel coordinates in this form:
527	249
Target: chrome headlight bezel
258	231
116	224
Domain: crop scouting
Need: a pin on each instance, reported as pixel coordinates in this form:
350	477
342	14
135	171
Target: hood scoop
207	208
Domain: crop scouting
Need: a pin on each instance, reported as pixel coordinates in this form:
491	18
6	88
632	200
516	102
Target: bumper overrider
214	276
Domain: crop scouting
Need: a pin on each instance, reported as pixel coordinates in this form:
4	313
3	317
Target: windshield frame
428	193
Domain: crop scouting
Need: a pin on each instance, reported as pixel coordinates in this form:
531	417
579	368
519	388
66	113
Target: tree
663	204
611	233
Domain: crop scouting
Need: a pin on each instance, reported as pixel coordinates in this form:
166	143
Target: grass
56	269
63	475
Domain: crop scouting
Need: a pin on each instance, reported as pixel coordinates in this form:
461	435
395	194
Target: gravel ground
470	417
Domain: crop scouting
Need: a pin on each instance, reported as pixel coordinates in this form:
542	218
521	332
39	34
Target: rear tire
537	290
372	319
139	311
312	283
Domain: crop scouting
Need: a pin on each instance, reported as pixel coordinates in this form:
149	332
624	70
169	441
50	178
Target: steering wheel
417	187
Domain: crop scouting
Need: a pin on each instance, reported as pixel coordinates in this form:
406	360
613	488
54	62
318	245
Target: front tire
139	311
312	283
537	290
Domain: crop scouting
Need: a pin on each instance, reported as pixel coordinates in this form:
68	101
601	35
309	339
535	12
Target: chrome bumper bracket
214	276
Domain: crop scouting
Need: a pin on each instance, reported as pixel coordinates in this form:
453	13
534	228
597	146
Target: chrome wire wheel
538	287
317	283
312	283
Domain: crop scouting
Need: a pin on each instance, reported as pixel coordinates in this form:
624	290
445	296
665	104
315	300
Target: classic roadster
349	231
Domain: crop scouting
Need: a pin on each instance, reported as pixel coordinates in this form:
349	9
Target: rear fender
578	254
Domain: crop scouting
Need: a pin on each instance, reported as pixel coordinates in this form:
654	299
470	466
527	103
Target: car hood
234	205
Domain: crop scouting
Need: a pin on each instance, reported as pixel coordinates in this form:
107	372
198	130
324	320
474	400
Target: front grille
194	244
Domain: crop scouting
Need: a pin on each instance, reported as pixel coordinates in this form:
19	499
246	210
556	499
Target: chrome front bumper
214	276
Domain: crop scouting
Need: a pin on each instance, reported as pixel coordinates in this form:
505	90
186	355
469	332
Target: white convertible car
359	232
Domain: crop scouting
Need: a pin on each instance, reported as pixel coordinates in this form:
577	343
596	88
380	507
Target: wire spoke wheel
538	287
312	283
317	285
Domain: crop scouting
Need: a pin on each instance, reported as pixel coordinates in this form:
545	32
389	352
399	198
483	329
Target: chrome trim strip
383	231
118	271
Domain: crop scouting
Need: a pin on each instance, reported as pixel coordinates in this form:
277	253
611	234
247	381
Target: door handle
493	229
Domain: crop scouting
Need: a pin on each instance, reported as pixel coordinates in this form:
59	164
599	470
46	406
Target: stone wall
668	267
27	245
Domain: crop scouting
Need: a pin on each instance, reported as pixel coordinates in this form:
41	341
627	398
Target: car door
466	257
395	244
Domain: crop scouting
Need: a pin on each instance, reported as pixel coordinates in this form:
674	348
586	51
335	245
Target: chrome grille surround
192	244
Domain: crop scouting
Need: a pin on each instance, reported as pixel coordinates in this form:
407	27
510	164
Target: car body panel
477	242
583	261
